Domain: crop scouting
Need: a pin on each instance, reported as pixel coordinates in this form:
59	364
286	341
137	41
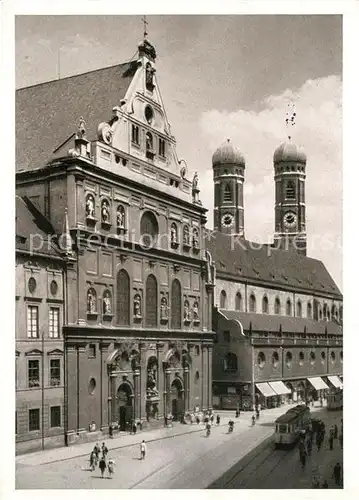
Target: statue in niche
150	71
186	313
195	238
195	311
105	211
81	129
186	238
173	233
149	142
107	303
90	206
152	381
120	217
91	301
164	308
137	306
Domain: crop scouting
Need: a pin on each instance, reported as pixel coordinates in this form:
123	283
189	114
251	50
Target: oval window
261	359
312	358
92	386
301	358
32	285
275	359
288	359
53	287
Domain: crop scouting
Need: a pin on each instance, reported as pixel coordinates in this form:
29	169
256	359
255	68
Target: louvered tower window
227	196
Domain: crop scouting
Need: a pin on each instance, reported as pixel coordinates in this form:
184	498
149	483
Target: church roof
32	228
241	260
48	113
268	323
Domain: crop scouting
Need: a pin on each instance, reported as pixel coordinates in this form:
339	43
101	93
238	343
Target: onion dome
289	152
226	154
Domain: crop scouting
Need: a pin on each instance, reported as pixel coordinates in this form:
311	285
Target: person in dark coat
104	450
102	466
331	442
212	418
198	420
93	460
337	473
218	419
134	427
110	431
335	431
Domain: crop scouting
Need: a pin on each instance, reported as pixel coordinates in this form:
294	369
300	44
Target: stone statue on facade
91	301
90	206
195	311
195	238
195	189
173	234
121	217
186	238
81	129
105	211
150	71
137	306
164	309
186	313
107	303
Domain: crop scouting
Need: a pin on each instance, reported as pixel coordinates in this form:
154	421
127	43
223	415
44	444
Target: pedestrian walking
93	460
110	431
331	442
102	466
111	467
335	431
97	451
143	449
212	418
134	427
218	419
104	450
198	420
337	473
303	457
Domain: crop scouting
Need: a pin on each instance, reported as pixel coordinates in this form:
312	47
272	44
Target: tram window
282	429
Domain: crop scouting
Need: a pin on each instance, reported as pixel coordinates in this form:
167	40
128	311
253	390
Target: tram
291	425
335	400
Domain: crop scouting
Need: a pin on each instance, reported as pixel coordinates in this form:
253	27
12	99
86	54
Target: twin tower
289	175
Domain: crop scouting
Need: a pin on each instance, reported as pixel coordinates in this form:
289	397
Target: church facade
137	336
278	313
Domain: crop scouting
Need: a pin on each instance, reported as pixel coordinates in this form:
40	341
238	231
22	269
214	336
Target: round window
92	386
301	358
312	358
149	114
288	359
332	357
275	359
322	357
341	356
261	359
53	287
32	284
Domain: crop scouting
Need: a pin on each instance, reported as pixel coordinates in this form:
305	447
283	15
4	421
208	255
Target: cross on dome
290	118
145	23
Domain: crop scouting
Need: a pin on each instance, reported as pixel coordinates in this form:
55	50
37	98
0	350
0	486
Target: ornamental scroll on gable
106	130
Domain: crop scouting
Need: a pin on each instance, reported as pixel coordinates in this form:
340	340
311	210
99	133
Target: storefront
282	390
335	381
316	388
266	397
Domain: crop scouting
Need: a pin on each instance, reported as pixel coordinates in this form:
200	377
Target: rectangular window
55	374
34	372
92	351
34	420
135	135
54	316
32	322
55	416
162	148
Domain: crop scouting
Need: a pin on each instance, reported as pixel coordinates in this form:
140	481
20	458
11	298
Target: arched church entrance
177	399
124	406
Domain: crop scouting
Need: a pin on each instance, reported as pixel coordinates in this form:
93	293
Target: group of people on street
99	456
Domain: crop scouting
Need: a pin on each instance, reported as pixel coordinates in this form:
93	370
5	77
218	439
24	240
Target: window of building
92	386
196	350
341	356
322	357
55	416
230	362
277	306
55	372
238	302
226	336
290	190
299	309
265	305
151	301
261	359
288	308
162	148
176	304
123	298
223	300
149	229
227	195
31	284
275	359
32	322
309	310
34	420
301	358
312	358
92	351
252	303
135	134
54	323
288	359
332	357
34	372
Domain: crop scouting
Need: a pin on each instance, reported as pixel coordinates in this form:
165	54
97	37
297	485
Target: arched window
299	309
277	306
290	190
223	300
151	301
149	229
265	305
252	303
309	310
230	362
227	195
123	298
288	308
238	301
176	301
341	313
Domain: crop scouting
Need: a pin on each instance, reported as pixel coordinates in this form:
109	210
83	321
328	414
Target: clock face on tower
227	220
290	219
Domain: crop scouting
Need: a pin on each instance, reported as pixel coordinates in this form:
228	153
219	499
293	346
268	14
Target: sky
224	76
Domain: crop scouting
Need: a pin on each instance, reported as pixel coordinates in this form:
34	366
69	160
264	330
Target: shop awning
279	388
265	389
318	383
335	380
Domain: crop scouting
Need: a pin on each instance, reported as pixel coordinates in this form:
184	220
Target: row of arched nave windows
144	306
252	306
